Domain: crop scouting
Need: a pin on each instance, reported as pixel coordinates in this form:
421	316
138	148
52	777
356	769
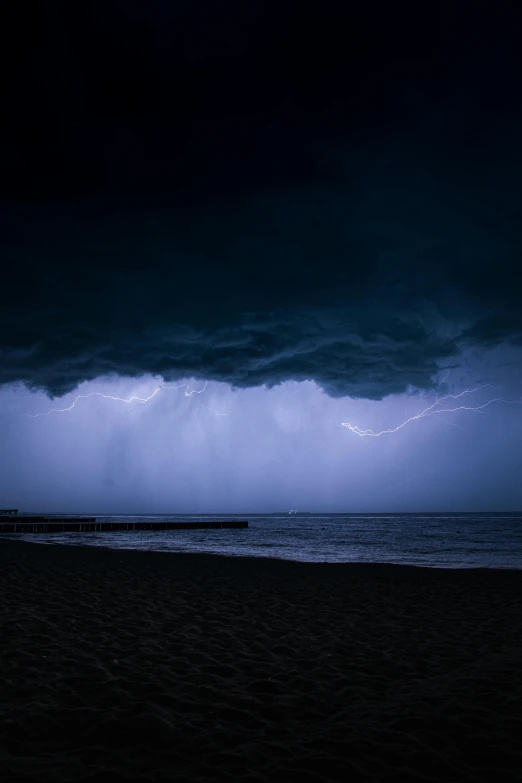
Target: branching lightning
133	401
451	423
435	410
439	408
212	410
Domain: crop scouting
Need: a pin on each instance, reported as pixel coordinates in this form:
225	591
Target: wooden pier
91	525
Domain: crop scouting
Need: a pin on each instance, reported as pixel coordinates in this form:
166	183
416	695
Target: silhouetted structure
91	525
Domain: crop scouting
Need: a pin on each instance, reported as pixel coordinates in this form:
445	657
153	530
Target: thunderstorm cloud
199	194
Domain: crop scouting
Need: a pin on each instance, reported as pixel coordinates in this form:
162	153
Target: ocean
464	540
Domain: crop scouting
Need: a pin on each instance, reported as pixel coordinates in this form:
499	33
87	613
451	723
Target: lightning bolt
133	401
434	410
211	409
451	423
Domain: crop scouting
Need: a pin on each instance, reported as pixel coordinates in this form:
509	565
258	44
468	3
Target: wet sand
148	666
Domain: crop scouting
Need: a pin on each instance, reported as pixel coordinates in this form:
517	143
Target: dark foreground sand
143	666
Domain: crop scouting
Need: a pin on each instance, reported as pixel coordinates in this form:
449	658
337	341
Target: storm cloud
259	193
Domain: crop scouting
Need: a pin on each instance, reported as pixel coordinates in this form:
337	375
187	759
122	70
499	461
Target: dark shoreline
248	559
131	665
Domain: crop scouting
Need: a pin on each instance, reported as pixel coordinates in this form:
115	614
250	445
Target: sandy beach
148	666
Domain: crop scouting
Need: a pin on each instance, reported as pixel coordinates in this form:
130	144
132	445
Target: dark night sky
251	193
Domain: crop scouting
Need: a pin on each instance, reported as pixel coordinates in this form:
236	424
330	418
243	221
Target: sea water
432	540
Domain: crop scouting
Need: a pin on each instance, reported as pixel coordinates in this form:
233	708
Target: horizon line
273	513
